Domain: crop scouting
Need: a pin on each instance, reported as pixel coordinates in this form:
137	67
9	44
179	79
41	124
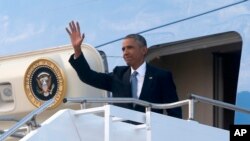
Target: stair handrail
219	103
26	119
190	102
83	100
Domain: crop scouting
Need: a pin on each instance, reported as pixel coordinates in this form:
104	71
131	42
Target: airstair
112	123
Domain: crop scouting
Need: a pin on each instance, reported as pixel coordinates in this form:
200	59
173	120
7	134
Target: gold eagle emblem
45	87
43	81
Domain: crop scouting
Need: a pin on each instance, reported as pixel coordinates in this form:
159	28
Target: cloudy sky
28	25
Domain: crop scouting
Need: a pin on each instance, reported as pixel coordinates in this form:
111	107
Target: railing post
83	104
32	124
107	123
191	109
148	123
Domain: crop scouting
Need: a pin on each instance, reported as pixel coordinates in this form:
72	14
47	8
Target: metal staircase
29	120
109	123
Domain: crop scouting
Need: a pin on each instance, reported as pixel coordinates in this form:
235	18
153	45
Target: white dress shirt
140	77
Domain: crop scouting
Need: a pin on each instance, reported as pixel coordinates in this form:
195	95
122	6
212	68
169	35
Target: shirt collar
141	70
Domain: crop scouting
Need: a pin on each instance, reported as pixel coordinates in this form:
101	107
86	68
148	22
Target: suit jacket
158	85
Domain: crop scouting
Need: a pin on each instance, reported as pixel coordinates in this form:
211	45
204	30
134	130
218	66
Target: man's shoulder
121	69
157	70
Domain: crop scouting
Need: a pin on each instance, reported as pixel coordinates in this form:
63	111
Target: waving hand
76	37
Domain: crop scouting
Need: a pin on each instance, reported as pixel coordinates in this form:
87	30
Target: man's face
133	52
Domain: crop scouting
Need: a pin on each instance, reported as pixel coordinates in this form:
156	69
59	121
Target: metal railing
15	135
190	102
26	119
148	106
11	119
83	101
219	104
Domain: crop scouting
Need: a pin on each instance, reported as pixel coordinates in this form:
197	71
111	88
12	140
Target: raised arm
80	64
76	37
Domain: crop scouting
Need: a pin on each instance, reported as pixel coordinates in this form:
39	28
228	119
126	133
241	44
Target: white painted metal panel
85	125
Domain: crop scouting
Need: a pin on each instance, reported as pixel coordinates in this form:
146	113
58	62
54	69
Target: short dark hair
137	38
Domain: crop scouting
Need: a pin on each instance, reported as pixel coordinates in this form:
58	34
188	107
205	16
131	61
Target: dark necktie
133	80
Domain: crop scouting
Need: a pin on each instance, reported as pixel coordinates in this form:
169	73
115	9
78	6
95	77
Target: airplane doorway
207	66
226	70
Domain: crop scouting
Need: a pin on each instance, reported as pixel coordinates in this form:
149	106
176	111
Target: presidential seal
44	80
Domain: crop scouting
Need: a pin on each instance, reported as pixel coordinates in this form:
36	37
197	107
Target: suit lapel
126	76
147	84
126	80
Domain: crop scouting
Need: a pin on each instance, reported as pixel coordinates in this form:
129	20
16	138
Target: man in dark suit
149	84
